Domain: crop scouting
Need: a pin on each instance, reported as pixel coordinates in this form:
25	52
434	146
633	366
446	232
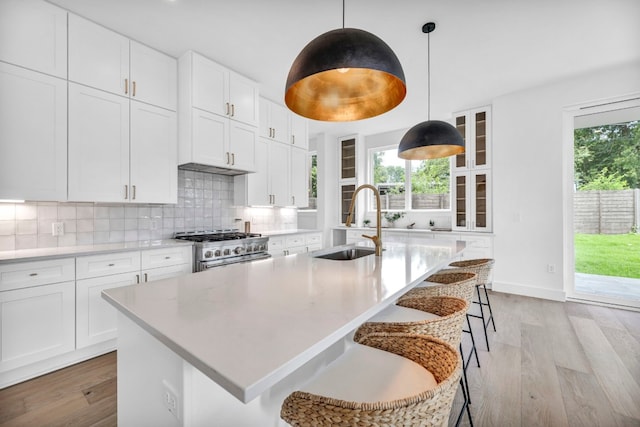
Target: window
409	184
313	181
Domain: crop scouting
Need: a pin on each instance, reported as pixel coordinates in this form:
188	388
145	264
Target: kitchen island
225	346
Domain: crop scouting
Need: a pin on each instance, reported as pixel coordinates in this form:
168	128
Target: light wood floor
556	364
550	364
81	395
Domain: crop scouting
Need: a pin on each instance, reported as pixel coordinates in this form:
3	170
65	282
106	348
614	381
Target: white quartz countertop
72	251
247	326
286	232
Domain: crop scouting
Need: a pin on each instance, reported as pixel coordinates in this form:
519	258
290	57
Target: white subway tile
7	243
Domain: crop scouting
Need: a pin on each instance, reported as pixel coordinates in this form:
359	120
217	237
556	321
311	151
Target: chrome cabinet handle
137	278
167	257
293	139
126	86
126	192
233	110
134	88
33	274
227	113
111	265
227	157
146	277
134	192
233	159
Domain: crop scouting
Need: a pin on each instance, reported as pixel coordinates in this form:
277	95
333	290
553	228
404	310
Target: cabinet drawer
104	265
166	272
313	239
277	243
26	274
165	257
296	240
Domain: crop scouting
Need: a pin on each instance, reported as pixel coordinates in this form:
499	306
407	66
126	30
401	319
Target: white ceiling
479	50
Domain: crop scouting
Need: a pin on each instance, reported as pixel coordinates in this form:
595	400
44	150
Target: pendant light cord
343	14
428	76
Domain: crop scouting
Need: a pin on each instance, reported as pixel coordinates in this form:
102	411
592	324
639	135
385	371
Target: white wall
527	177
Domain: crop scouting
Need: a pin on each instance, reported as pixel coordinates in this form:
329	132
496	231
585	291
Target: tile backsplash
205	202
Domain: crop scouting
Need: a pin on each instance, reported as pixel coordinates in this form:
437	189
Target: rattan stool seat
426	405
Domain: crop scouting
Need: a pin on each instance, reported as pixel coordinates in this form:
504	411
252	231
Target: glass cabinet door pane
461	201
346	194
481	201
481	139
461	125
348	158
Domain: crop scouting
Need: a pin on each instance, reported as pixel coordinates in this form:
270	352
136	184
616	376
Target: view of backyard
607	209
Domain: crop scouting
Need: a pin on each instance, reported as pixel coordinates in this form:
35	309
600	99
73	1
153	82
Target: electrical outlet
551	268
57	228
170	398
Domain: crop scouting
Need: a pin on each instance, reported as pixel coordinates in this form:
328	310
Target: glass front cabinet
471	172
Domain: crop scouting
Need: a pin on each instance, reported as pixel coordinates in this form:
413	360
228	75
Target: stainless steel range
222	247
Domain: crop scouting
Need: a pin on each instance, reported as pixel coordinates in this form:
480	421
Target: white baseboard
529	291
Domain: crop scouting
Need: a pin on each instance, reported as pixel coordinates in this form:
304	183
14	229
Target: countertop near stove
248	326
72	251
286	232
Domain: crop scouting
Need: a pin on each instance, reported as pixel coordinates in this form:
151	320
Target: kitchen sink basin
347	254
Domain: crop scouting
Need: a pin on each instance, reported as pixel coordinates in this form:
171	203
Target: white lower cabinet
37	323
96	320
294	243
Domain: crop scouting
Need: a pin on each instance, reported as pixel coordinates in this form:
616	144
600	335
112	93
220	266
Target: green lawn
608	254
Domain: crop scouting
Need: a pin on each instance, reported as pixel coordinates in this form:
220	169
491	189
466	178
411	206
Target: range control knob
208	254
239	250
226	252
217	252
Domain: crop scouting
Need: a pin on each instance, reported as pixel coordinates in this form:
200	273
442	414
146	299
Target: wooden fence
606	211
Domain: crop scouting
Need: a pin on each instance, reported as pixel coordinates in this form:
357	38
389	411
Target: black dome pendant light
434	138
344	75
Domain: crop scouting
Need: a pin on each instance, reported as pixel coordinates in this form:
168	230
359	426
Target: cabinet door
279	173
482	139
154	154
299	177
461	202
256	185
265	120
166	272
480	198
98	145
96	318
299	131
34	35
33	133
153	77
98	57
210	136
460	161
280	123
243	95
209	85
242	146
36	323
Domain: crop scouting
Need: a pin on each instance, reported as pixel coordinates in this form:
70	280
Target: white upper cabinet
106	60
218	90
98	145
475	127
33	135
274	121
218	115
33	34
299	131
299	178
153	148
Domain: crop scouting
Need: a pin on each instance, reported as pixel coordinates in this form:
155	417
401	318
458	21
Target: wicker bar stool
451	282
482	267
438	316
383	380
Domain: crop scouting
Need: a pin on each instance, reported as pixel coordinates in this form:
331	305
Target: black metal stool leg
489	305
464	372
473	342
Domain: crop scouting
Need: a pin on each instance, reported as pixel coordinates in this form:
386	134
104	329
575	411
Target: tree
431	177
615	148
605	181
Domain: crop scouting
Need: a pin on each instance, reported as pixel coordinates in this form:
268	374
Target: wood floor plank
605	317
567	350
577	309
584	399
631	320
622	391
51	414
100	391
507	319
501	383
627	348
541	396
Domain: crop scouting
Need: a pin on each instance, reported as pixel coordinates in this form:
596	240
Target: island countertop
247	326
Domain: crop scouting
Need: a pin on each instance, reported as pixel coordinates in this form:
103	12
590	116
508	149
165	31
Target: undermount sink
347	254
